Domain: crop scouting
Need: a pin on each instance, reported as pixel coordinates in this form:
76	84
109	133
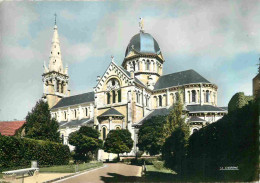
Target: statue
141	24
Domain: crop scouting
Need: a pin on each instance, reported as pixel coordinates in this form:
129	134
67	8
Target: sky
218	39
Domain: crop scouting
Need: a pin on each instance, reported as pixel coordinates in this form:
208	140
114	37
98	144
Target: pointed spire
55	62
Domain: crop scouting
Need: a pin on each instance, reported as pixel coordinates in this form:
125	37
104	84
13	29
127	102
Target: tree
118	141
238	101
176	118
40	125
177	134
150	135
86	142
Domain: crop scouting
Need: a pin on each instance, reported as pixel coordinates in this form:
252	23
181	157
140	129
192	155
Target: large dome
143	43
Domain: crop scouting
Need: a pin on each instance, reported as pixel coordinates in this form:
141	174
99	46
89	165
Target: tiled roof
155	112
9	128
179	78
196	119
225	108
75	99
206	108
76	123
111	112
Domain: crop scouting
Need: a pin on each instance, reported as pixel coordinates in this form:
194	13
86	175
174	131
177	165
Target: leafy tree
40	125
177	133
238	101
176	118
150	136
86	142
118	141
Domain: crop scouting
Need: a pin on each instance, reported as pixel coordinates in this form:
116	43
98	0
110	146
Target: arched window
148	65
193	96
207	96
117	128
114	96
75	113
160	100
194	130
108	98
104	132
61	87
57	86
86	109
134	65
177	96
62	138
119	95
137	97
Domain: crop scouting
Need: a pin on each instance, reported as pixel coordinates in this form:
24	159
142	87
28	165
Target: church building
128	94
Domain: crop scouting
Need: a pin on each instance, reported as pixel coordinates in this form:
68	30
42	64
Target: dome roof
143	43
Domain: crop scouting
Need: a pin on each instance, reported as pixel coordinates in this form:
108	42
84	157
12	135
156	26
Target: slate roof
196	119
143	43
9	128
179	78
128	73
206	108
111	112
75	99
75	123
225	108
155	112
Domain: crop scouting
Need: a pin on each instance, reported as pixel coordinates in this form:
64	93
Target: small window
113	82
114	96
193	96
207	96
160	100
148	66
108	98
51	52
62	138
86	111
119	95
58	53
104	132
65	115
75	113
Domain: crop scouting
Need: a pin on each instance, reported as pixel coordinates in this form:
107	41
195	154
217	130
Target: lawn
71	168
151	168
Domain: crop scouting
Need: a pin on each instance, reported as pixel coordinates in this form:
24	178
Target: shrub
158	164
17	152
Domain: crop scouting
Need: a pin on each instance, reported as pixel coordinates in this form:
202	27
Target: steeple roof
55	61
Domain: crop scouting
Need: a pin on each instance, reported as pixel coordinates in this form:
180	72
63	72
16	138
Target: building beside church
126	95
256	83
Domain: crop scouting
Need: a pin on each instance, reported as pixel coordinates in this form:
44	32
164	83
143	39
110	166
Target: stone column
110	123
69	114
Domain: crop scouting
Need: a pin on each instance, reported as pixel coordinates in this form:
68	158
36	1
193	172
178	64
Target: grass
70	168
151	168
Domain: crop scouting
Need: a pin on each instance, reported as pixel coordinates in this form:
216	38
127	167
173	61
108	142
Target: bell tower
55	78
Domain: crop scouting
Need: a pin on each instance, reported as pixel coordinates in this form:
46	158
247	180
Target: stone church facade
127	95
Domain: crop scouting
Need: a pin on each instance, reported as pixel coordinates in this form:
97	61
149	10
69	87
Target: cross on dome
55	15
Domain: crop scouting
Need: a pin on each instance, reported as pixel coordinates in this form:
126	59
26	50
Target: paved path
112	172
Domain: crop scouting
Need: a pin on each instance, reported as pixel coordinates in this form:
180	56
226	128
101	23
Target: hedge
230	142
19	152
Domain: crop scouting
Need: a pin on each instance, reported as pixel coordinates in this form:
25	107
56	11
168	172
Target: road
112	172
